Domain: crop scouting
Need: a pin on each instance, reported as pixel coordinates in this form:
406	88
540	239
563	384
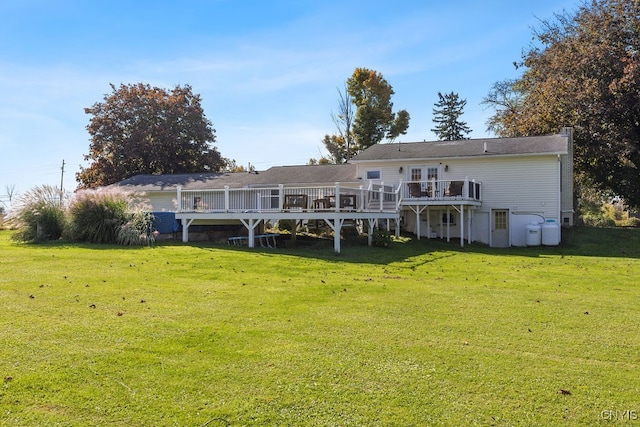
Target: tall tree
375	119
585	73
341	145
506	98
139	129
446	116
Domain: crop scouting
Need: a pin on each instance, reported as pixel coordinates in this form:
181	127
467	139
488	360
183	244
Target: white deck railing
440	190
375	198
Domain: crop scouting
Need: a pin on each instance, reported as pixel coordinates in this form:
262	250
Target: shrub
598	221
381	238
96	216
631	222
138	230
38	215
113	216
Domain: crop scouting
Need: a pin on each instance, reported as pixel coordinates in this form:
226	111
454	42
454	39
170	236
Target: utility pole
61	181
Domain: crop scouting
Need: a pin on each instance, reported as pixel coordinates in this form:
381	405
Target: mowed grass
423	333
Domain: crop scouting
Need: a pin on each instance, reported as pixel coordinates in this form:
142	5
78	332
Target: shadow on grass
578	241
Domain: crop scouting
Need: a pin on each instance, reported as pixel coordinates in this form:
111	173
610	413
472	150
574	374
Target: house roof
289	175
550	144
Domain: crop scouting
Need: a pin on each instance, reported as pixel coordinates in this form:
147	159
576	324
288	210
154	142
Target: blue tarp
166	222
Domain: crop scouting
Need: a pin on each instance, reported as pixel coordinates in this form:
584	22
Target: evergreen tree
447	117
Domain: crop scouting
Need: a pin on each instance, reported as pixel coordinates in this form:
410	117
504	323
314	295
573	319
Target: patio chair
416	191
455	188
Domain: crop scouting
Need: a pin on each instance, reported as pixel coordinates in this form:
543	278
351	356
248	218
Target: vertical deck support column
179	195
337	207
226	198
462	226
469	218
336	234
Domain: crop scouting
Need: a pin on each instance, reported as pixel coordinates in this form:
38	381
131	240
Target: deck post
370	231
336	234
185	229
469	217
361	204
337	197
448	224
280	197
179	199
226	198
381	191
462	226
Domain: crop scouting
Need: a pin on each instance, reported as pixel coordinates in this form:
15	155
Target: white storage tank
550	233
534	234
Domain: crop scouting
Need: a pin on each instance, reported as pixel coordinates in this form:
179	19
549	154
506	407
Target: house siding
527	186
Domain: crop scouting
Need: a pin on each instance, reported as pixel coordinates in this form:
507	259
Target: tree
374	119
139	129
447	113
506	98
341	146
585	73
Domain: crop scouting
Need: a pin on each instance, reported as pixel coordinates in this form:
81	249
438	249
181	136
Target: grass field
423	333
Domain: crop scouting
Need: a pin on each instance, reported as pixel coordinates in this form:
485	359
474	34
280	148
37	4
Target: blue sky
267	71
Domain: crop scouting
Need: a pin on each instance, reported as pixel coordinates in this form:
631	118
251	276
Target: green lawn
423	333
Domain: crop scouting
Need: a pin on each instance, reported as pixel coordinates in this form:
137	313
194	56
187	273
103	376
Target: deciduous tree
585	72
139	129
374	119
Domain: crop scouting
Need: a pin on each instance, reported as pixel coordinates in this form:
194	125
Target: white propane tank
534	234
550	233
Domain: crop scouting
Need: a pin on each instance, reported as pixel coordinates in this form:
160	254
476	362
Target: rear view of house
498	191
493	191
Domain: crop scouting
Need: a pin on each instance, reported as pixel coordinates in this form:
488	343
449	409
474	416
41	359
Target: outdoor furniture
322	203
295	201
455	188
416	191
348	201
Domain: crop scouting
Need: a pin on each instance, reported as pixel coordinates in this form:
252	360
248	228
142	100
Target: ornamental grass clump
96	216
138	230
38	215
110	216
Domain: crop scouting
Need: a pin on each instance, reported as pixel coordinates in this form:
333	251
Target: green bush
631	222
38	215
381	238
138	231
96	216
598	221
110	217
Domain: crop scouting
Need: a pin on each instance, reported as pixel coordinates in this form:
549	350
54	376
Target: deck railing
440	190
374	198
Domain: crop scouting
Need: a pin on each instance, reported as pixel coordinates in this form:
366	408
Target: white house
498	191
501	185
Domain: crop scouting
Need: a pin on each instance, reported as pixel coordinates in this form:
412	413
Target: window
432	173
415	174
500	219
448	219
373	174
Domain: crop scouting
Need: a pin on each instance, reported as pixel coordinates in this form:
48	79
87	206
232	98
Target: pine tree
447	117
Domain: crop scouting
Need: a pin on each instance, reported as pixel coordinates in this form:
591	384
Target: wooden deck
332	204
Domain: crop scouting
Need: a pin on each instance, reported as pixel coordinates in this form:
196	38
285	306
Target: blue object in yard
165	222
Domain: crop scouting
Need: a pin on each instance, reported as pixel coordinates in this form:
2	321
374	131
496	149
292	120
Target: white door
500	228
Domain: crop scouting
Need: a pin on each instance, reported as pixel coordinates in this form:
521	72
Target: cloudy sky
267	71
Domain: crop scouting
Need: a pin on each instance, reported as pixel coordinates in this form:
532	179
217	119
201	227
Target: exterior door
500	228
